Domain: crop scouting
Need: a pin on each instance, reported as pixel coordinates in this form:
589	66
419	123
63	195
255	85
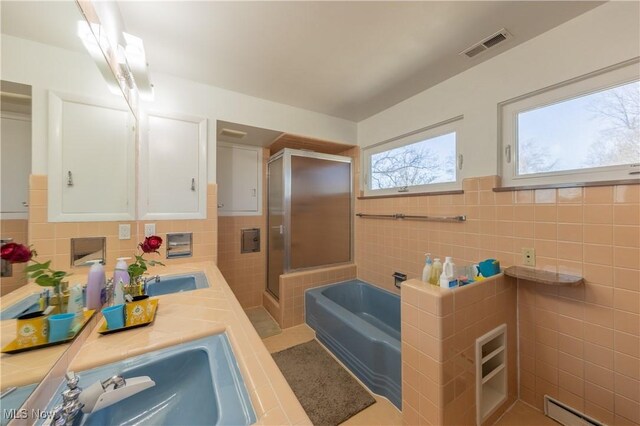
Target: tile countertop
195	314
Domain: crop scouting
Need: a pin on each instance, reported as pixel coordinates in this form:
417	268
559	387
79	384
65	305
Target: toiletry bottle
448	273
426	271
75	306
120	279
436	270
96	285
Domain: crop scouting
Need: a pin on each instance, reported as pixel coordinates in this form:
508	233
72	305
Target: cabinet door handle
69	178
193	184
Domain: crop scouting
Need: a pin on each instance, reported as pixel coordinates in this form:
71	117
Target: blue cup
114	316
59	326
489	267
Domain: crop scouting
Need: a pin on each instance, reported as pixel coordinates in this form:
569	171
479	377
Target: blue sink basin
13	401
197	383
177	283
25	306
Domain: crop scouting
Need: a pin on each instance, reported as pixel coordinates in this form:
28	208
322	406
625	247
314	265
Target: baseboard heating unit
566	415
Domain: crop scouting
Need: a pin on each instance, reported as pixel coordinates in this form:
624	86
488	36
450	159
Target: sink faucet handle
72	379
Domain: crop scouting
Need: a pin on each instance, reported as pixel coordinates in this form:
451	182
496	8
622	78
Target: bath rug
327	392
262	322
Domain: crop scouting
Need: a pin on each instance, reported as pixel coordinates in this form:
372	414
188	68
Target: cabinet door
174	169
16	164
239	170
91	170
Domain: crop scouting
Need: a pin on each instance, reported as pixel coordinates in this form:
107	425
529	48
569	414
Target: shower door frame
286	155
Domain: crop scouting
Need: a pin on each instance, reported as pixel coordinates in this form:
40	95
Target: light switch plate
124	231
528	256
149	229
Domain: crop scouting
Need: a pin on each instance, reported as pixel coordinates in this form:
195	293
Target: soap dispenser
426	271
96	285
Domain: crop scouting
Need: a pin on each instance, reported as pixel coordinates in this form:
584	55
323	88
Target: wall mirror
44	55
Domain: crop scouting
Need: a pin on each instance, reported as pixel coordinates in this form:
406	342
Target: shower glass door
320	212
275	222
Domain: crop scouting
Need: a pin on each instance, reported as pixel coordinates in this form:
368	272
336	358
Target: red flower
151	244
16	253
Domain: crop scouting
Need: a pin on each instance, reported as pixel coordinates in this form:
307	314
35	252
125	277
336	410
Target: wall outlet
528	256
124	231
149	229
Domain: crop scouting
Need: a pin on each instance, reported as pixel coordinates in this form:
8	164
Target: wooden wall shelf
543	277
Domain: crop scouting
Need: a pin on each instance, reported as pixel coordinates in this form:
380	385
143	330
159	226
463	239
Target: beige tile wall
579	344
439	329
53	240
293	286
245	273
17	230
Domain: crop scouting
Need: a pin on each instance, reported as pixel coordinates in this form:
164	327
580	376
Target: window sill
568	185
411	194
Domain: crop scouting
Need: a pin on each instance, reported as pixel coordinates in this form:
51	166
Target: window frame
453	125
607	78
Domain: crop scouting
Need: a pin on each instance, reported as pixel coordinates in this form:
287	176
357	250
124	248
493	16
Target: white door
16	165
174	168
239	171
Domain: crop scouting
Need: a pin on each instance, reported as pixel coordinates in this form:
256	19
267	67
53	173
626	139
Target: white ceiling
345	59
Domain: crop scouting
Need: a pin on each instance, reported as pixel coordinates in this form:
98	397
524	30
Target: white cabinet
173	167
239	177
91	160
16	163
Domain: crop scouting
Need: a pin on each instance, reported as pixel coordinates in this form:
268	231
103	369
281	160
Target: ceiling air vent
486	43
233	133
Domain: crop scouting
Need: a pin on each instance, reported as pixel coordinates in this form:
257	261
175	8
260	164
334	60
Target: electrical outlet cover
149	229
124	231
529	257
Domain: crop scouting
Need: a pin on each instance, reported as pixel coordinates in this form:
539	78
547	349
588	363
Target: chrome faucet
65	413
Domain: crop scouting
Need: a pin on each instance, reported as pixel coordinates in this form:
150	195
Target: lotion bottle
447	272
426	271
436	270
96	285
120	279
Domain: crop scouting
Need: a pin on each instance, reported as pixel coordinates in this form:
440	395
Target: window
581	131
425	160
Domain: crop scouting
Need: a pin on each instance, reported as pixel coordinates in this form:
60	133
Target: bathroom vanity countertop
187	316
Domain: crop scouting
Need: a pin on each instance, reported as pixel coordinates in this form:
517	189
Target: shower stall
309	220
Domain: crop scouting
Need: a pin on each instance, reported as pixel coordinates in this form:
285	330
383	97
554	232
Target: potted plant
138	268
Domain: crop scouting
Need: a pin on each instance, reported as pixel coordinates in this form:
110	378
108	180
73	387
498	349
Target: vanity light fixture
90	34
138	66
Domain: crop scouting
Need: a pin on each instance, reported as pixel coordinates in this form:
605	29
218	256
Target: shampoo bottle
120	279
448	274
436	270
426	271
96	285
